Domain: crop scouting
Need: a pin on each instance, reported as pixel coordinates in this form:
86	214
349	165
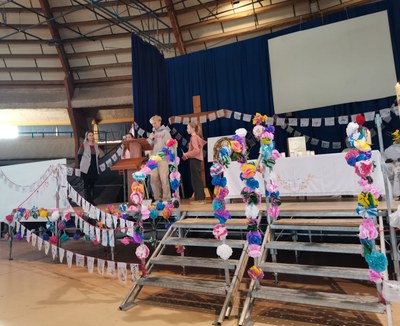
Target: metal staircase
197	229
315	228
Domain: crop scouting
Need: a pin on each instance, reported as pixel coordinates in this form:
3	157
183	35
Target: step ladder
313	227
177	234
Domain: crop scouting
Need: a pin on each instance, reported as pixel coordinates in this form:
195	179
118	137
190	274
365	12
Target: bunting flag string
114	268
50	171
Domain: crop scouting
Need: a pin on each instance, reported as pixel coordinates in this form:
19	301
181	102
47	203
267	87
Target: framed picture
297	145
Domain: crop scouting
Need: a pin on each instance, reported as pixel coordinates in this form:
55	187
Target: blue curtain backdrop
237	77
149	81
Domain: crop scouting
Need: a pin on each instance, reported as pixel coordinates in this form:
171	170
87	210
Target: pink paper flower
132	209
275	155
254	250
53	239
220	232
368	230
9	218
142	252
364	168
272	187
375	276
125	241
258	131
146	170
273	211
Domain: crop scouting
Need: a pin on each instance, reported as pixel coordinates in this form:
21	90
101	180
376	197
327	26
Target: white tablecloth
320	175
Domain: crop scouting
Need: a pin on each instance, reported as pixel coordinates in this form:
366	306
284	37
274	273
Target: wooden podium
136	148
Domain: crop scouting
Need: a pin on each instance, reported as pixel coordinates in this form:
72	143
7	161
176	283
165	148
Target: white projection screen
344	62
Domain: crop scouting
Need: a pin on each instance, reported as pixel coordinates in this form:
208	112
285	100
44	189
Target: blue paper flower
174	184
45	237
252	183
254	237
217	205
153	214
160	206
377	261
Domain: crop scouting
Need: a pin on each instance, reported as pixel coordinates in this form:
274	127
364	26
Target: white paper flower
224	251
55	216
352	127
252	211
241	132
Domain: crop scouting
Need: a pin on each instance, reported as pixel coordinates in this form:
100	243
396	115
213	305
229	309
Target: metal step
318	247
209	223
194	262
184	284
323	299
338	225
201	242
322	271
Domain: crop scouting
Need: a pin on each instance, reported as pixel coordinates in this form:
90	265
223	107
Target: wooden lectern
136	148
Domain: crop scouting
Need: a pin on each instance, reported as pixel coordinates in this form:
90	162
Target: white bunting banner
297	134
343	119
119	151
28	235
90	264
193	119
77	172
237	115
100	266
70	256
369	116
61	253
109	220
228	114
220	113
114	157
23	228
54	250
178	119
212	117
91	232
353	117
111	238
330	121
316	122
314	141
203	119
122	225
111	268
80	260
292	122
135	272
46	247
384	113
98	235
336	145
247	117
185	121
40	243
304	122
104	240
102	167
122	272
109	163
325	144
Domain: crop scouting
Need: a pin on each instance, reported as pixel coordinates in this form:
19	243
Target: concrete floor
36	291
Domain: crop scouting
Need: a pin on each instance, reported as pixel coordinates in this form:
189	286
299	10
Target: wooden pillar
197	110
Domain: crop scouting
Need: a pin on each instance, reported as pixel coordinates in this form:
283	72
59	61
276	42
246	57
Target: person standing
195	157
88	156
126	153
159	178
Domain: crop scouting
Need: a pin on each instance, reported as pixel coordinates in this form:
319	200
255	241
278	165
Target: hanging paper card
237	115
170	120
369	116
77	173
28	235
122	225
46	247
185	121
122	272
203	118
297	134
280	121
54	250
91	232
343	119
316	122
184	142
23	228
109	163
104	239
307	138
86	228
115	220
220	113
98	214
98	235
34	239
111	238
61	253
100	266
141	132
17	226
40	243
325	144
314	141
304	122
135	272
129	231
353	117
70	171
111	268
70	255
114	157
178	136
178	119
292	122
90	264
80	260
289	129
119	151
330	121
336	145
228	114
109	220
384	113
212	117
247	117
373	133
193	119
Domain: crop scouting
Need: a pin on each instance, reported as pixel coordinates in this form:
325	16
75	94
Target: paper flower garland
251	194
360	158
